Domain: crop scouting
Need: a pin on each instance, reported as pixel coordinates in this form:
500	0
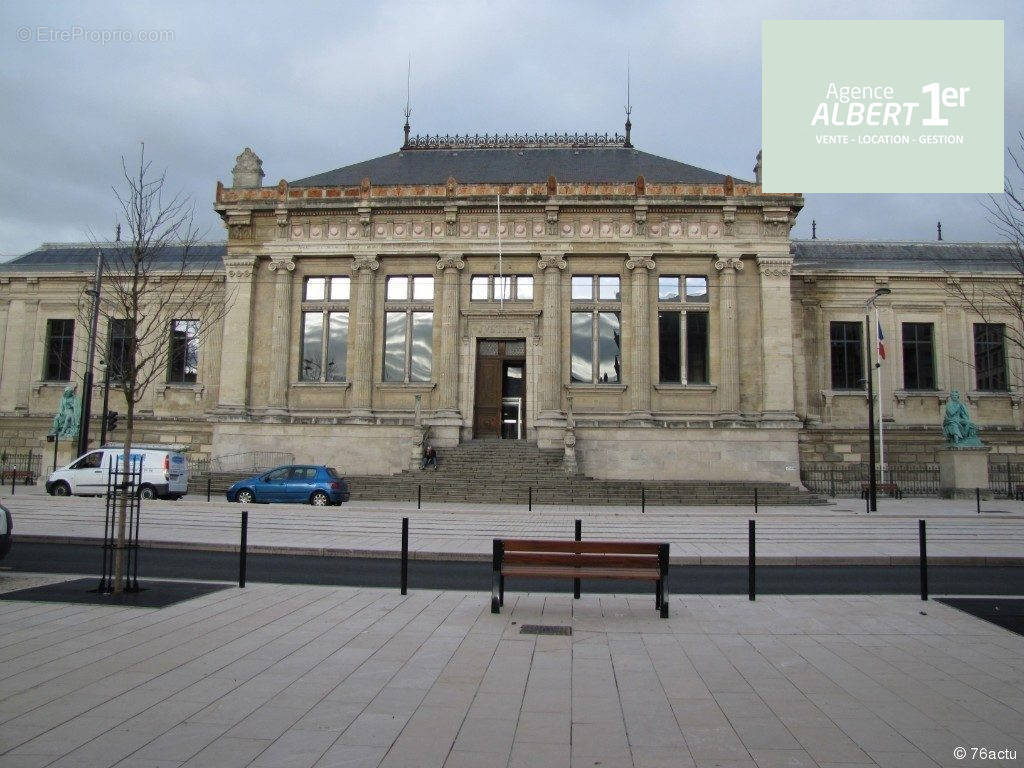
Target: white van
164	472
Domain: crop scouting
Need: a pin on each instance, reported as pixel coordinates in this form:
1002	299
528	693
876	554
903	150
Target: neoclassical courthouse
652	319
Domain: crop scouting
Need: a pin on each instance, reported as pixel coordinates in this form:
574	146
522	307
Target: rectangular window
421	352
847	355
183	359
581	347
478	287
312	346
120	348
337	346
697	348
423	289
60	335
524	287
670	347
608	288
503	288
918	356
341	288
697	288
315	289
609	351
398	288
990	357
582	287
668	288
394	346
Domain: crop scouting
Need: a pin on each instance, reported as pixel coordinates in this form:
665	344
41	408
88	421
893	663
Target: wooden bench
892	489
1018	492
550	559
25	476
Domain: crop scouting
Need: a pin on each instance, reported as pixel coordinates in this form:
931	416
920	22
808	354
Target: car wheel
244	497
319	499
147	492
61	489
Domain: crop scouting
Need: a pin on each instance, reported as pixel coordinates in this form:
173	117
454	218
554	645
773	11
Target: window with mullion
845	339
918	356
683	330
595	330
325	326
501	288
990	357
183	357
60	335
408	329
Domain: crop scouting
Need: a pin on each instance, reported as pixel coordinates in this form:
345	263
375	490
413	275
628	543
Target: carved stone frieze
239	267
775	266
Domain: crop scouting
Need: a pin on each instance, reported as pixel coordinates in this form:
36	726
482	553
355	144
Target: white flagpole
501	282
878	390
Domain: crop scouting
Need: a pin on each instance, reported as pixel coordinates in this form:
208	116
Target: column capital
450	261
239	267
643	259
729	262
551	259
367	261
775	266
282	263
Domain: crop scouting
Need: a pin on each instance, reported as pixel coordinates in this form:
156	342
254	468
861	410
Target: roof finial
814	230
408	101
938	225
629	106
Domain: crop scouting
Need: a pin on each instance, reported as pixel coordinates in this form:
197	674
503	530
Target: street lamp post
869	339
83	431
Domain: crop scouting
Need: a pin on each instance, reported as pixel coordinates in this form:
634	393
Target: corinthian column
237	338
550	420
640	264
729	341
363	268
777	335
282	268
448	420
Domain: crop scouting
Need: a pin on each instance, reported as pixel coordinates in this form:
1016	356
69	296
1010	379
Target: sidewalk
299	676
837	533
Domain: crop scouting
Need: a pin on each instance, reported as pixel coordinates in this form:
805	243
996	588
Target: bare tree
153	288
998	300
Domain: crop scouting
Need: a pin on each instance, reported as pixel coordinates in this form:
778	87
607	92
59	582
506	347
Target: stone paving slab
276	676
836	534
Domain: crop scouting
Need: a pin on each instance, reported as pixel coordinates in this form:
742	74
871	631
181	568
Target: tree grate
544	629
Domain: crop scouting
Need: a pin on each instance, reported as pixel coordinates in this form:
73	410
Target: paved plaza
835	533
275	676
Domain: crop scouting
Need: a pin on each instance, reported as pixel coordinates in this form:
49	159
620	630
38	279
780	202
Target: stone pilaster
551	420
641	265
17	360
282	268
729	338
361	330
235	353
447	420
776	335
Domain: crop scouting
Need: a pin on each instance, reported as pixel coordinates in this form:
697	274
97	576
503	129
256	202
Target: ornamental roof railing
516	141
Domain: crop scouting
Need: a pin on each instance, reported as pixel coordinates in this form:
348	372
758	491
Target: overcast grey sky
317	85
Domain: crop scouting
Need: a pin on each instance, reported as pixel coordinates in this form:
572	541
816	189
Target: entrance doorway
500	404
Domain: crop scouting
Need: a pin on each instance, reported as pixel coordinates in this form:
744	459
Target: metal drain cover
544	629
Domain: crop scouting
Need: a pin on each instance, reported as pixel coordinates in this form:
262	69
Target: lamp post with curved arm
868	341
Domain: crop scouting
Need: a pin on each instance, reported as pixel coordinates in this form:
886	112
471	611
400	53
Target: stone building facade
651	319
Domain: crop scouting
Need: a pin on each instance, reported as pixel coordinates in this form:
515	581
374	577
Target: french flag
881	343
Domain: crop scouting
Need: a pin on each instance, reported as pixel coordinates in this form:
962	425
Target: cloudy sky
318	85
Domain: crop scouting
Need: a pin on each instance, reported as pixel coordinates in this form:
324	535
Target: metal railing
25	466
848	479
1004	477
250	461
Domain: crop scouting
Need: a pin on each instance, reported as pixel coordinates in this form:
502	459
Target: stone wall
903	445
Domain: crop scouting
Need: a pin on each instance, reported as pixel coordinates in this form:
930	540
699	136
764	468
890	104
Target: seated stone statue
65	422
957	427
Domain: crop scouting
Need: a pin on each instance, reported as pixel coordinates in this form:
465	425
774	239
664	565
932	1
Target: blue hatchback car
317	485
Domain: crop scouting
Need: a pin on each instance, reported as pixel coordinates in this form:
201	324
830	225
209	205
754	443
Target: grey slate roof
516	165
77	257
814	256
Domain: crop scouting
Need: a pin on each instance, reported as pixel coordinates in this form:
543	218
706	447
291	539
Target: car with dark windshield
305	483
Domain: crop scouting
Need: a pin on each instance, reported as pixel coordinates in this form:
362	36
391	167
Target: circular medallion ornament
656	229
503	229
694	230
465	229
399	229
713	230
606	230
296	231
483	230
315	231
353	231
538	229
417	229
675	230
333	231
520	230
625	230
380	229
567	229
586	229
438	229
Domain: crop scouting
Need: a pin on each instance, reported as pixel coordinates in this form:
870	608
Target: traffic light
111	421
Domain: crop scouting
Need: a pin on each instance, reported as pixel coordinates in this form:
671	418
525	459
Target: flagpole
878	367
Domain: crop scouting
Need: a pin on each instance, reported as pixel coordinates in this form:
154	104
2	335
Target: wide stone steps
508	472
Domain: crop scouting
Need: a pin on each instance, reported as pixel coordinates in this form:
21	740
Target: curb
385	554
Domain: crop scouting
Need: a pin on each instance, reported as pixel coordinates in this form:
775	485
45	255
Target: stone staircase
503	472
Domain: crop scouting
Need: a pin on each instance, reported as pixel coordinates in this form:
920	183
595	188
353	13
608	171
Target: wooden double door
500	404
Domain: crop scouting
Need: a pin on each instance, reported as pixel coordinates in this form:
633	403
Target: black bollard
529	501
576	582
405	554
755	501
977	498
643	500
14	473
207	488
243	548
419	497
28	467
923	559
751	565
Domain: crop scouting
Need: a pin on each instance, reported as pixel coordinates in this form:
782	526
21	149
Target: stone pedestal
962	470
